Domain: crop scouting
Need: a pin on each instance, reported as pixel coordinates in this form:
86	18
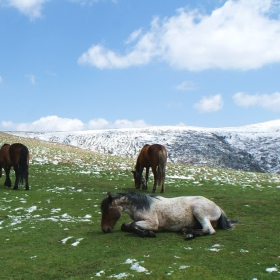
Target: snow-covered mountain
251	148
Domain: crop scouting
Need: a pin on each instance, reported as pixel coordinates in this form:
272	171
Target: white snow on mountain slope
252	148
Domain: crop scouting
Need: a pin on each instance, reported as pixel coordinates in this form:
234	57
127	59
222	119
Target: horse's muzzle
107	230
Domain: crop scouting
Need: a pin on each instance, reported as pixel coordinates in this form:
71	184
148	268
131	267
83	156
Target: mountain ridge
250	148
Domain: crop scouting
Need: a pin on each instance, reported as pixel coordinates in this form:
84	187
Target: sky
98	64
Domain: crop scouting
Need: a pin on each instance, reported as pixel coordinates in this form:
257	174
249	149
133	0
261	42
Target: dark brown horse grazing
16	156
154	156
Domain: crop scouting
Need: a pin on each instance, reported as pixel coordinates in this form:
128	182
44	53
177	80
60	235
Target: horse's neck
137	166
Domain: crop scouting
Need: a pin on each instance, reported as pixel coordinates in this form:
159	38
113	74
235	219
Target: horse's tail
224	222
162	157
23	164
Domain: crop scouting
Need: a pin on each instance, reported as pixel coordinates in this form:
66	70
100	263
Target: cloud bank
55	123
269	102
239	35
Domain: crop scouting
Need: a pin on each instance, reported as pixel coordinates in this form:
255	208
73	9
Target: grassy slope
67	186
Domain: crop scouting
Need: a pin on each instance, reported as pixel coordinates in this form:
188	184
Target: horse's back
178	212
4	154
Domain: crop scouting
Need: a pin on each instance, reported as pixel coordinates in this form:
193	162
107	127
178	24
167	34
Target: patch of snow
272	269
77	242
63	241
183	266
135	266
244	251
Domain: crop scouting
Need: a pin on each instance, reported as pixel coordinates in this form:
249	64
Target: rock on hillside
250	148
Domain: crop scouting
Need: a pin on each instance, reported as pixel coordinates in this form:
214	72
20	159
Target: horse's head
139	180
110	214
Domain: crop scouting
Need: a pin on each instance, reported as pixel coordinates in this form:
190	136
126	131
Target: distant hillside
250	148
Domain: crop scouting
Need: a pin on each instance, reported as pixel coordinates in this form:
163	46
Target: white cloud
51	123
104	124
210	104
238	35
55	123
133	36
186	86
129	124
142	53
267	101
30	8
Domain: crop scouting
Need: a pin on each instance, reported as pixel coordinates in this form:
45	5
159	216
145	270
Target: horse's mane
5	144
138	200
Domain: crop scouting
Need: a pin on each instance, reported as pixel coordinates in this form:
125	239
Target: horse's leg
162	187
147	177
207	228
154	169
8	182
126	227
17	178
26	180
141	232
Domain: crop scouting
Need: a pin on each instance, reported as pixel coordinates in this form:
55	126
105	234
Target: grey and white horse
194	215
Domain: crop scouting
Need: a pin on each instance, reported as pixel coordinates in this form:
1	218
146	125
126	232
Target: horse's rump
23	159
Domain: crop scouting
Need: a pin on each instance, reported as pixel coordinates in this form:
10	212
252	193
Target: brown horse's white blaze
16	156
196	215
154	156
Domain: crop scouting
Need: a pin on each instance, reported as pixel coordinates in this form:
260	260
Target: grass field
53	230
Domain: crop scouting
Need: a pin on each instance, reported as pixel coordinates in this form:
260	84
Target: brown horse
154	156
16	156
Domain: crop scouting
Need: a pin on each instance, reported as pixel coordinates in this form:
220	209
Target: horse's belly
177	224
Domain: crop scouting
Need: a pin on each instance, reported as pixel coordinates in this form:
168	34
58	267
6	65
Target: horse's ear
109	196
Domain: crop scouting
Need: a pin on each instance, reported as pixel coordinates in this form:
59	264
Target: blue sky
81	64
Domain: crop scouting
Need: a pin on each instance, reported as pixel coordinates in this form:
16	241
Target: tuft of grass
53	230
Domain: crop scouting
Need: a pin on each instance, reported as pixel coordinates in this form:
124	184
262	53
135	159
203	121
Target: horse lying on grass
194	215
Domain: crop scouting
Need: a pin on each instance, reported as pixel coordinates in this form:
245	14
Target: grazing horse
194	215
16	156
154	156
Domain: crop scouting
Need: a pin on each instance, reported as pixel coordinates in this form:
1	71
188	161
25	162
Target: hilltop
251	148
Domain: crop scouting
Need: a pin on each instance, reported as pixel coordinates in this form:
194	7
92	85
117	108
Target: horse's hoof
189	236
125	228
15	188
148	233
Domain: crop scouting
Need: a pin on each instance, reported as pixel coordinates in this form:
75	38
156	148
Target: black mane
138	200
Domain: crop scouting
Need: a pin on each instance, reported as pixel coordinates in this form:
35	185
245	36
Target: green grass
67	187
